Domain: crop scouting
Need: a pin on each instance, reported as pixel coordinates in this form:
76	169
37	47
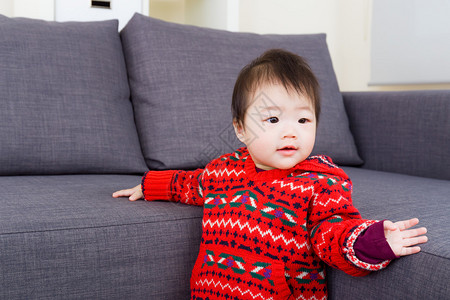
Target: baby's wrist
372	246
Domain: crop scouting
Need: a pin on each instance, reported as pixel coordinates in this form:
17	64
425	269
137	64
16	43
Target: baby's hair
274	66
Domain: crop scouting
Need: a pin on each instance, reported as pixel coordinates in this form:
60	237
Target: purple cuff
371	245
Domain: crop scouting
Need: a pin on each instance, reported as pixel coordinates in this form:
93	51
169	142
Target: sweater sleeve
174	185
371	245
334	225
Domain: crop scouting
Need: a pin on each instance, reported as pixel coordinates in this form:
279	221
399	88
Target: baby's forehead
260	95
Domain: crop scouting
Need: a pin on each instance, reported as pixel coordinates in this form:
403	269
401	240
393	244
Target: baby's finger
410	250
388	225
122	193
414	232
116	194
414	241
402	225
134	197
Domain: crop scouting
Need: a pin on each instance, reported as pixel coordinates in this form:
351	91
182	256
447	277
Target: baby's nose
289	133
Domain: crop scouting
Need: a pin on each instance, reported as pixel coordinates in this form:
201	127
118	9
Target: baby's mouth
287	150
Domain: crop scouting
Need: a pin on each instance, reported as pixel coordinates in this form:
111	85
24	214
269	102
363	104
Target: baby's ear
239	130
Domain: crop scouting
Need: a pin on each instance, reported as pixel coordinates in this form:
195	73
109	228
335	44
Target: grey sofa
84	111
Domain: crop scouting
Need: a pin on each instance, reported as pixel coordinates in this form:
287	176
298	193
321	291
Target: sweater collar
322	164
250	170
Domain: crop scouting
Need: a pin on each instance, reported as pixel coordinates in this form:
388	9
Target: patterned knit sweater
267	234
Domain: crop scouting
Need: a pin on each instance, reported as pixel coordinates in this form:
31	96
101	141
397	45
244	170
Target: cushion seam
95	227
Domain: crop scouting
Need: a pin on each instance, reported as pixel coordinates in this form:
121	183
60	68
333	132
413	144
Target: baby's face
279	127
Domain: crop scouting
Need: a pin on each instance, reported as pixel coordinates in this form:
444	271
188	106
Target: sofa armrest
402	132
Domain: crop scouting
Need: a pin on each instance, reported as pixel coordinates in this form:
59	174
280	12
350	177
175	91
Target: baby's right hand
133	194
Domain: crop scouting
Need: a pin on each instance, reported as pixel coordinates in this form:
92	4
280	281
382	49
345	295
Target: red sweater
267	234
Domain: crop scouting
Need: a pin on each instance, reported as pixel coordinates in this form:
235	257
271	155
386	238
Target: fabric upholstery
403	132
423	276
65	237
382	195
76	241
65	104
182	80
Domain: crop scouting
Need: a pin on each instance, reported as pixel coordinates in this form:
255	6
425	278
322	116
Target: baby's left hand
402	240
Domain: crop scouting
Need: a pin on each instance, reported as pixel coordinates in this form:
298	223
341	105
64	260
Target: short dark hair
274	66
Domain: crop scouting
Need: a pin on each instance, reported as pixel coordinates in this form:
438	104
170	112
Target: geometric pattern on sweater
274	211
252	229
212	284
258	270
267	235
306	275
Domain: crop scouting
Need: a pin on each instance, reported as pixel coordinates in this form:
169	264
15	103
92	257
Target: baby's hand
402	241
133	194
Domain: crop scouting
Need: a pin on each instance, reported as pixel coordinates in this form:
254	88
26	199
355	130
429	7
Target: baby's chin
288	165
278	166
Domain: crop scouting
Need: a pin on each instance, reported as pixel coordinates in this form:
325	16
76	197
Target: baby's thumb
133	197
388	225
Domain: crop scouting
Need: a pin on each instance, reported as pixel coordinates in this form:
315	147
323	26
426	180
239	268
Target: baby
273	214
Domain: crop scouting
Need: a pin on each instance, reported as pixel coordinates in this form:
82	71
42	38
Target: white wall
347	24
218	14
7	8
37	9
410	42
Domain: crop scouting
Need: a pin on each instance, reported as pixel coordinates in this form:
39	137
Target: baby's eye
272	120
303	120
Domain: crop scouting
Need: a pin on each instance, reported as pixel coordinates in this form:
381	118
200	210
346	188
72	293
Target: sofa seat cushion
182	80
381	195
65	237
64	99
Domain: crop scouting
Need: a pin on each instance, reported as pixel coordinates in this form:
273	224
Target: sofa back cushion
182	79
64	99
